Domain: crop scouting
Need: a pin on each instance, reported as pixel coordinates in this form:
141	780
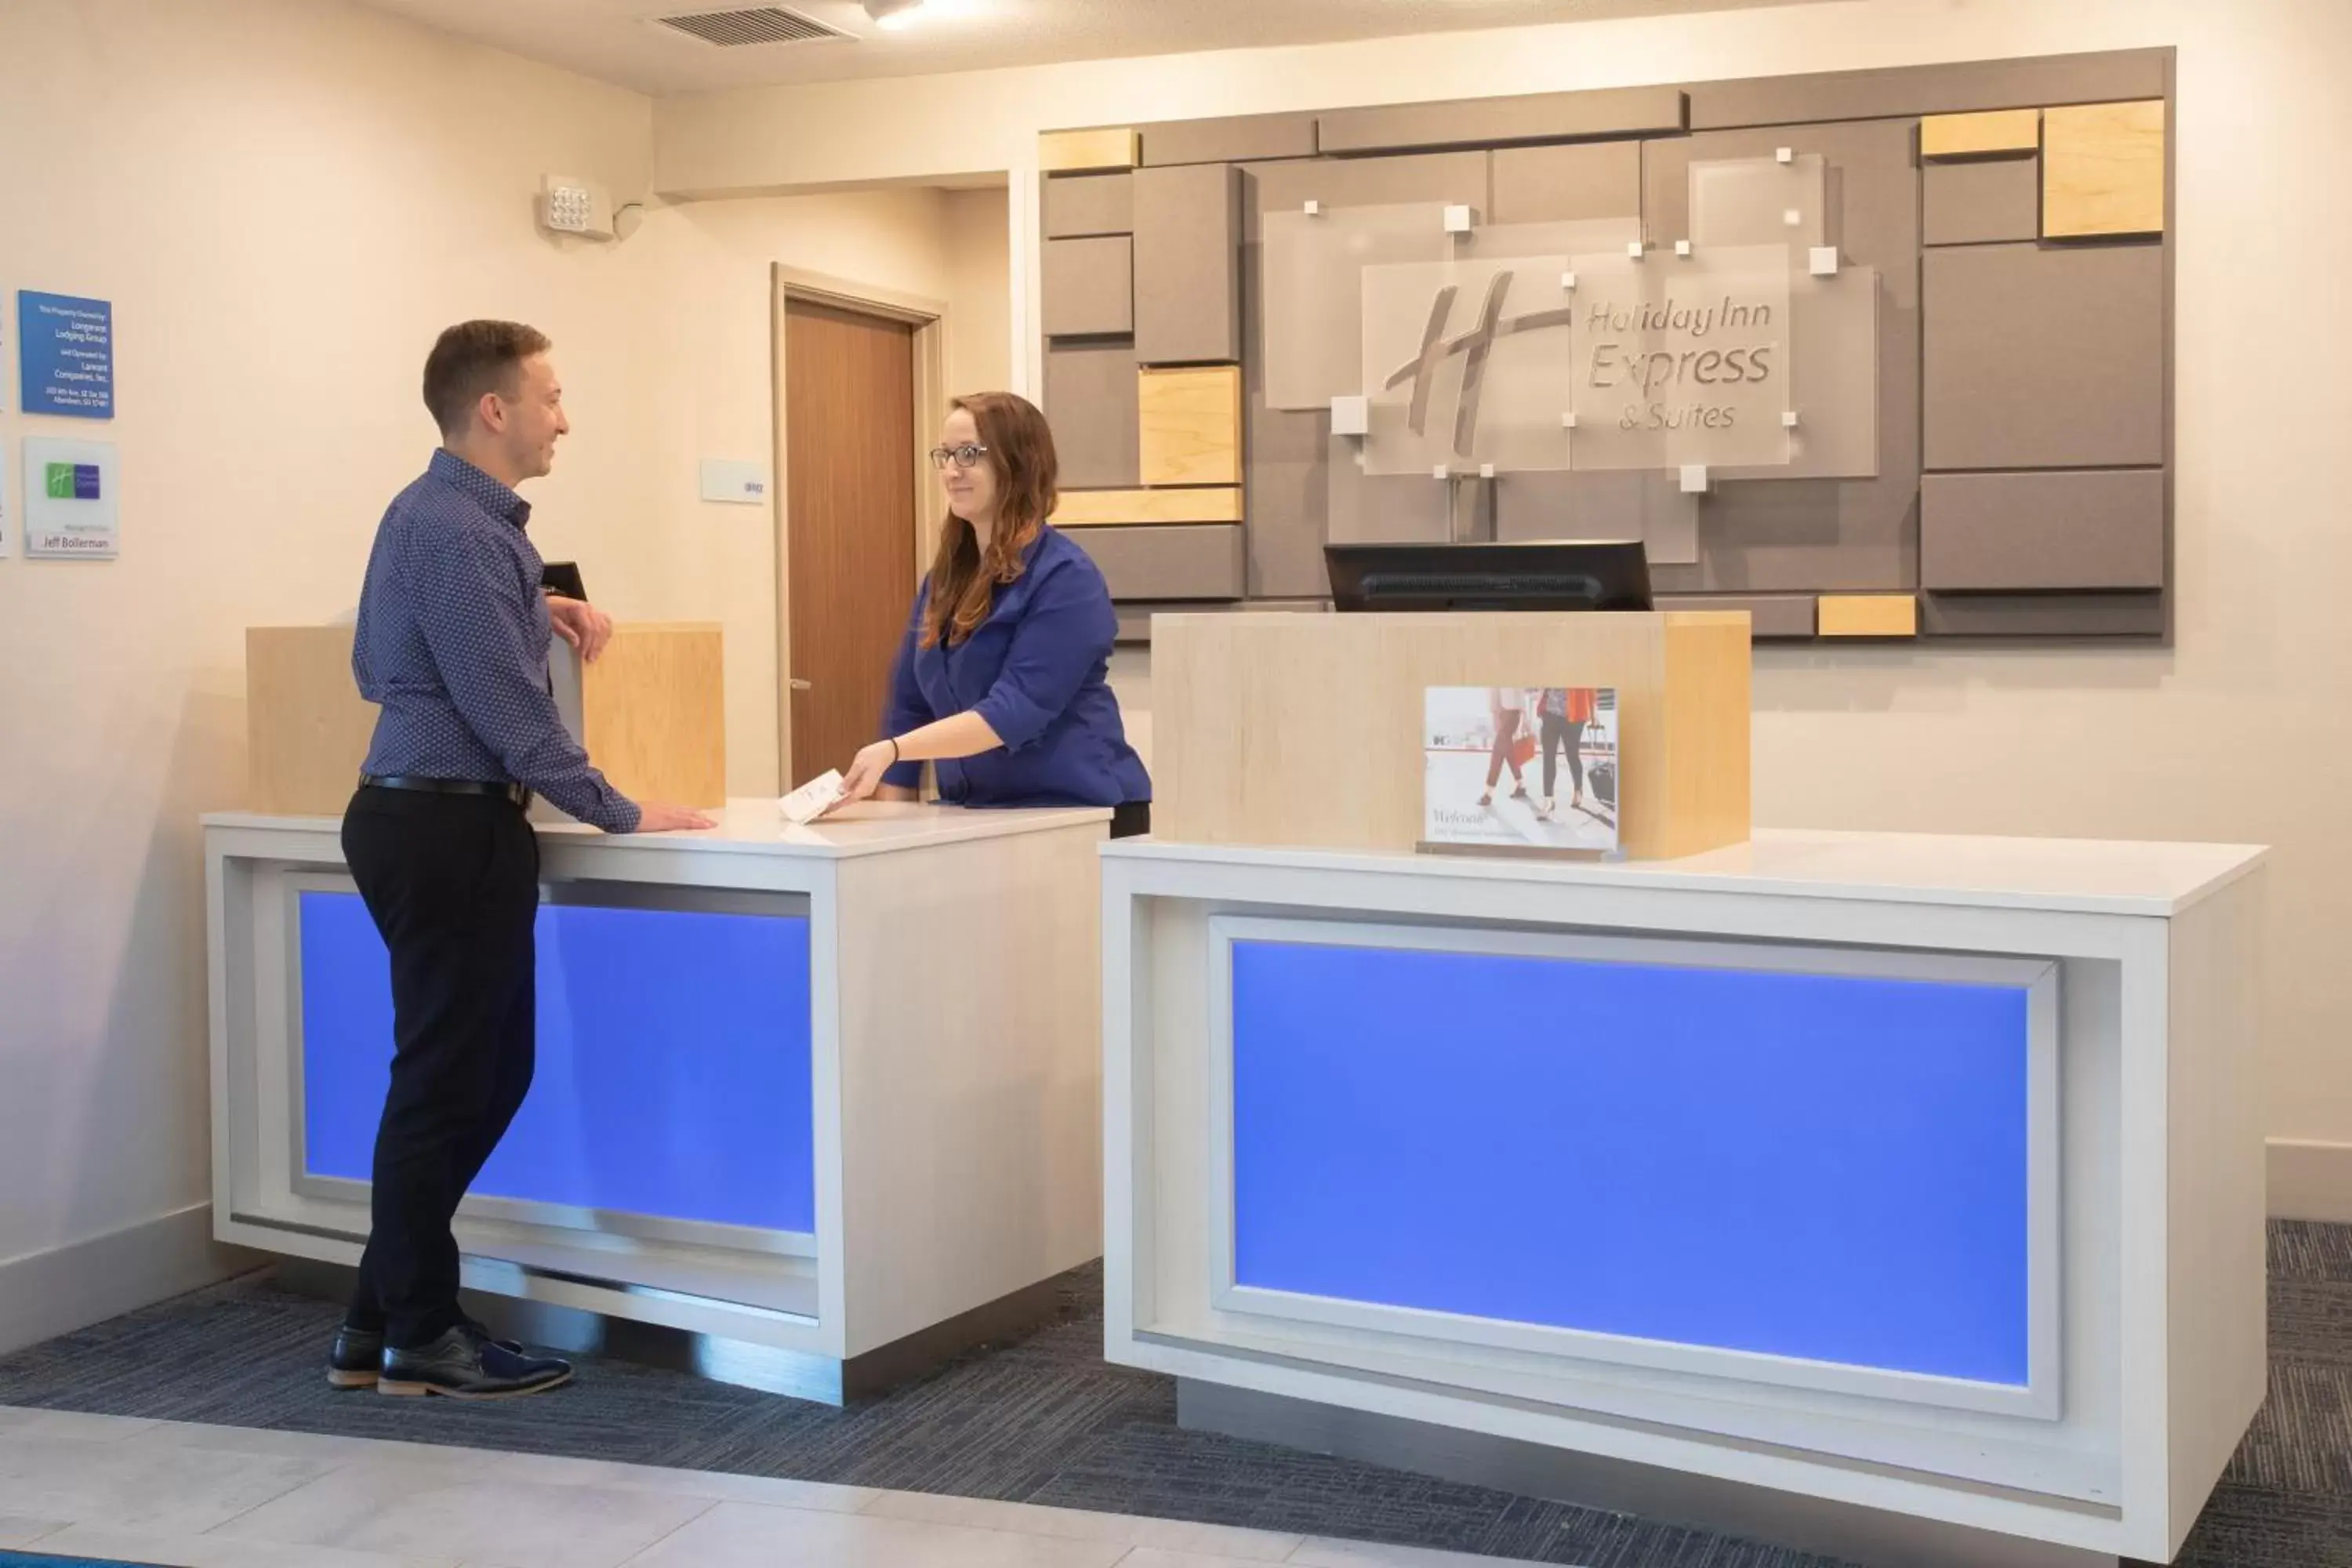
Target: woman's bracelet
894	751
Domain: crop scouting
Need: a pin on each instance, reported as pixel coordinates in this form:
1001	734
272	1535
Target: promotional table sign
1519	770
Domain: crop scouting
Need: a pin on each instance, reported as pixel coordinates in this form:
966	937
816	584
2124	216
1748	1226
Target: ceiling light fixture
890	15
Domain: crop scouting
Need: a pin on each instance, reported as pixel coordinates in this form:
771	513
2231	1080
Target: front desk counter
825	1100
1899	1197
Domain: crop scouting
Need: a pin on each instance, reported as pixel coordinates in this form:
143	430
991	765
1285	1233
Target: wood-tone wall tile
2043	531
2103	170
1976	135
1088	286
2044	357
1077	206
1190	425
1067	151
1090	400
1867	615
1188	243
1143	508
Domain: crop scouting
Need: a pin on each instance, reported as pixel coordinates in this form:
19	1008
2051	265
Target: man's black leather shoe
356	1358
466	1363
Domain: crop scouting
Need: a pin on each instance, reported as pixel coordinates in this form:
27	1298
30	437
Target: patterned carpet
1047	1421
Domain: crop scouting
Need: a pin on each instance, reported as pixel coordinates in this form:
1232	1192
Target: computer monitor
1551	575
562	577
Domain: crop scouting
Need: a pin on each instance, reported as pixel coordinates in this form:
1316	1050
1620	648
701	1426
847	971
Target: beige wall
285	200
980	291
2243	731
706	384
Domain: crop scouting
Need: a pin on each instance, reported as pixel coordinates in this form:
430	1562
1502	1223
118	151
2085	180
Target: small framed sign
1520	770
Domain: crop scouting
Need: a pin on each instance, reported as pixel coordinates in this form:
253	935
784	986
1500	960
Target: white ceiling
617	41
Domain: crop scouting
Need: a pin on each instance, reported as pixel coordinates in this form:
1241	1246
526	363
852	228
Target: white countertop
754	827
2076	875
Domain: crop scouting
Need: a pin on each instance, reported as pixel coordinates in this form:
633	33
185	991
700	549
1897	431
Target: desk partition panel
672	1095
1820	1167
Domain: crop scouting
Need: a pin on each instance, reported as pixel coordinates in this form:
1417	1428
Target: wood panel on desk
307	726
2103	170
654	713
1306	730
1115	508
1188	425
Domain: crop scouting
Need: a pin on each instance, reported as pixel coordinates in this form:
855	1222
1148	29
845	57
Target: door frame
930	319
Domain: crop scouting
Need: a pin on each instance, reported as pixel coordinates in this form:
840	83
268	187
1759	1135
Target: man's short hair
472	358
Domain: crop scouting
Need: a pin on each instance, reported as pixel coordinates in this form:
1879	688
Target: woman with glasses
1001	681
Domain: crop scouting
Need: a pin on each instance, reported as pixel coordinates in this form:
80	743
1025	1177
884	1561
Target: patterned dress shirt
452	645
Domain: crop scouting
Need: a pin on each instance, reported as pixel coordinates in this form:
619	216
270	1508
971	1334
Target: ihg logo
72	481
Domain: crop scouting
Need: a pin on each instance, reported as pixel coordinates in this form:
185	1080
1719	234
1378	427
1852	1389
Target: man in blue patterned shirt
451	646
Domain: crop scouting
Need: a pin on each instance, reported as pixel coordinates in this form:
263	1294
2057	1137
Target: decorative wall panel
1089	287
1188	244
2103	170
1446	322
1090	400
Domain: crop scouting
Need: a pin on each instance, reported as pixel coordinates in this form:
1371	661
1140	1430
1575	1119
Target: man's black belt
509	792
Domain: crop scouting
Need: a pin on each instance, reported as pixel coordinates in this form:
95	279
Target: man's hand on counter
581	624
660	816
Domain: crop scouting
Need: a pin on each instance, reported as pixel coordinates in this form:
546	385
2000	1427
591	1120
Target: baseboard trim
2310	1179
45	1294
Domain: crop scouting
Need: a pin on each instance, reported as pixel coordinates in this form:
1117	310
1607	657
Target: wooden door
849	499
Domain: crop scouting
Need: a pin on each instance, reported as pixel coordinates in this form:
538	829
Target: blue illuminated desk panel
1828	1167
673	1077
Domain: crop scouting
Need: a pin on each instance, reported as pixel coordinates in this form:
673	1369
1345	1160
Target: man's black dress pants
452	882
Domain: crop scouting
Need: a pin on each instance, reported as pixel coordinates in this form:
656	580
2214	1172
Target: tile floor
179	1495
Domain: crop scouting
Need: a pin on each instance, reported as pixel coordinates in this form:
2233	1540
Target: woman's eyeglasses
962	456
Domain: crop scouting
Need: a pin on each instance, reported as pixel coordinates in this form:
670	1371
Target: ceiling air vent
761	24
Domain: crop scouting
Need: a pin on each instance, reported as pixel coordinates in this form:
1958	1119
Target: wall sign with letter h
72	481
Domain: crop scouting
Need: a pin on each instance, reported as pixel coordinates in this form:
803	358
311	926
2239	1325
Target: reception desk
827	1099
1895	1197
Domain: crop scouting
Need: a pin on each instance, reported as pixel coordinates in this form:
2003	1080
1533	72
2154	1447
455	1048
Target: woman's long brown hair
964	581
